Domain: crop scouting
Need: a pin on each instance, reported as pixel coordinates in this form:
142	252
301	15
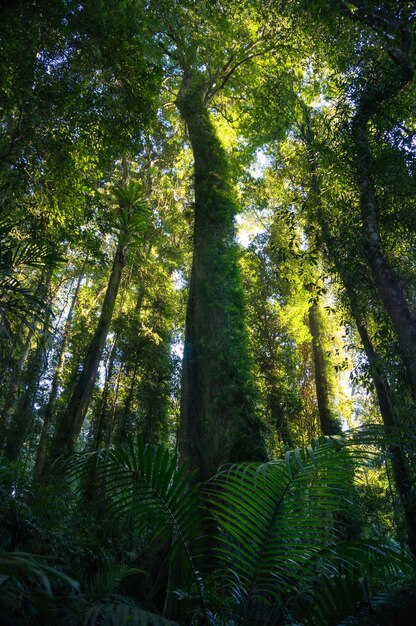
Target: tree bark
71	423
217	422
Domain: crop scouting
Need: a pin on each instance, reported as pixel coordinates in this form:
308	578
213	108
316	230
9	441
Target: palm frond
107	581
148	481
353	596
22	576
121	614
275	519
20	566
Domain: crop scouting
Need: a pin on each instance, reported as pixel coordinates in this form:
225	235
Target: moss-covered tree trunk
217	422
71	421
323	367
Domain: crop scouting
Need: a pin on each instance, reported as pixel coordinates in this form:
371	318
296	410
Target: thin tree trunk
99	422
71	423
23	412
16	376
402	477
392	292
109	426
16	370
217	422
57	378
121	429
330	424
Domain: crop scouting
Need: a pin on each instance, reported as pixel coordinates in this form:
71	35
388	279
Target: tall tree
217	422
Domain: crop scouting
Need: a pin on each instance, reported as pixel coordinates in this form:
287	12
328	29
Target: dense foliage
207	312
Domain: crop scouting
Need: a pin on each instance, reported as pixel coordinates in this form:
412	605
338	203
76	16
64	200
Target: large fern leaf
276	519
148	481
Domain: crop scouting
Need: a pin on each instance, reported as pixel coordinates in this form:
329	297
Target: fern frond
275	518
147	480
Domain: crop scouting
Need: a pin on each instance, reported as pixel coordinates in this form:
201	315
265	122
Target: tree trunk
330	424
53	396
12	382
217	422
388	284
71	423
402	477
122	428
396	77
22	406
14	386
99	426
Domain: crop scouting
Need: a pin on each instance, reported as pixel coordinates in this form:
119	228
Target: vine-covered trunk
217	422
71	422
330	424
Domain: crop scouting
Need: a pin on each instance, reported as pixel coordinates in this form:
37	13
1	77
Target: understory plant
258	544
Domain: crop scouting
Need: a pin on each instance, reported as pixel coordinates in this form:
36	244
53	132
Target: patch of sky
179	280
252	222
260	164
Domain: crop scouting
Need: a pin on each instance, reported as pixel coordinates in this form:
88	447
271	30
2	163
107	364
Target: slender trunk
22	417
330	424
99	422
71	423
122	428
23	413
398	75
217	423
12	372
402	476
57	378
108	431
16	376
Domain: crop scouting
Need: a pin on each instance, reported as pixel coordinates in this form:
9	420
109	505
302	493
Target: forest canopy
207	312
